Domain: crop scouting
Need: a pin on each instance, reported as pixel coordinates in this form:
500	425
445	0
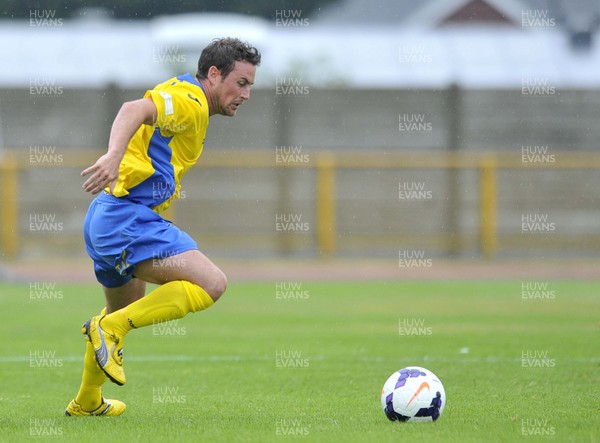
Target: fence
261	202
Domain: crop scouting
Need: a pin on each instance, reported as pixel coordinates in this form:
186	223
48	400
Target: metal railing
326	165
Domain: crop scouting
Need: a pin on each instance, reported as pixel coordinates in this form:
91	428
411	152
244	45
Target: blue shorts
119	234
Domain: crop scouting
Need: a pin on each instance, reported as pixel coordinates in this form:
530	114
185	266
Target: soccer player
153	142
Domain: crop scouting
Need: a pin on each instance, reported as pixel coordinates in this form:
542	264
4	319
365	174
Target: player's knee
217	285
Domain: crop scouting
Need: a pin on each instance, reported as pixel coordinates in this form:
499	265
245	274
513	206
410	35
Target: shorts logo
123	264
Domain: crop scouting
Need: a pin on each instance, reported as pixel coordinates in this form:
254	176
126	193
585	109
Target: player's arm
128	120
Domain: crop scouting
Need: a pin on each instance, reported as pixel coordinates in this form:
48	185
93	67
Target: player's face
234	89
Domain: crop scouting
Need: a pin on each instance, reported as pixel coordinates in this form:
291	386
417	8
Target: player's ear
214	74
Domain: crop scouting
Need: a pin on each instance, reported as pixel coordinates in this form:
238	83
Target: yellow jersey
158	156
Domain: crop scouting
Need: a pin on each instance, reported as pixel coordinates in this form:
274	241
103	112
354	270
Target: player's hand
103	173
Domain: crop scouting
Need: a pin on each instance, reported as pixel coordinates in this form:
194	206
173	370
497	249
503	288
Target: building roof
432	13
437	12
133	54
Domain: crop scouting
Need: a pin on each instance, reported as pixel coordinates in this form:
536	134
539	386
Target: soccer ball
413	394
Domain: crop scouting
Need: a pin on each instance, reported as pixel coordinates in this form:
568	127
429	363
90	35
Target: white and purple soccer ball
413	394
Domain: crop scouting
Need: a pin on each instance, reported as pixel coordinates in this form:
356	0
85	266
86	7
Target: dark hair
223	53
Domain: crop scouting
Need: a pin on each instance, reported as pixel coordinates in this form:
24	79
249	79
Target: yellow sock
90	391
170	301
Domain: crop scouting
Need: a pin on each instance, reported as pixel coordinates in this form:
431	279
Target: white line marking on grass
247	358
151	358
489	359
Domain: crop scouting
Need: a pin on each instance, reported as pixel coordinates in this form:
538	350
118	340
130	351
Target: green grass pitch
259	366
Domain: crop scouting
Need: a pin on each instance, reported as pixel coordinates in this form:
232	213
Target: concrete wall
473	120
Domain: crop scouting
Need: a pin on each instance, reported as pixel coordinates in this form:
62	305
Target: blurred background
398	129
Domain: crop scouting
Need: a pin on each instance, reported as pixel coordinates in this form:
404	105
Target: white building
375	44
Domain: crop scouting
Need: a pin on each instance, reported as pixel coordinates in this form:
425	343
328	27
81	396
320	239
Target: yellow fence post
488	196
9	232
326	217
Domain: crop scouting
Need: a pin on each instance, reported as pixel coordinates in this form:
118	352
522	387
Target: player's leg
189	282
183	278
191	266
117	298
108	347
89	398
